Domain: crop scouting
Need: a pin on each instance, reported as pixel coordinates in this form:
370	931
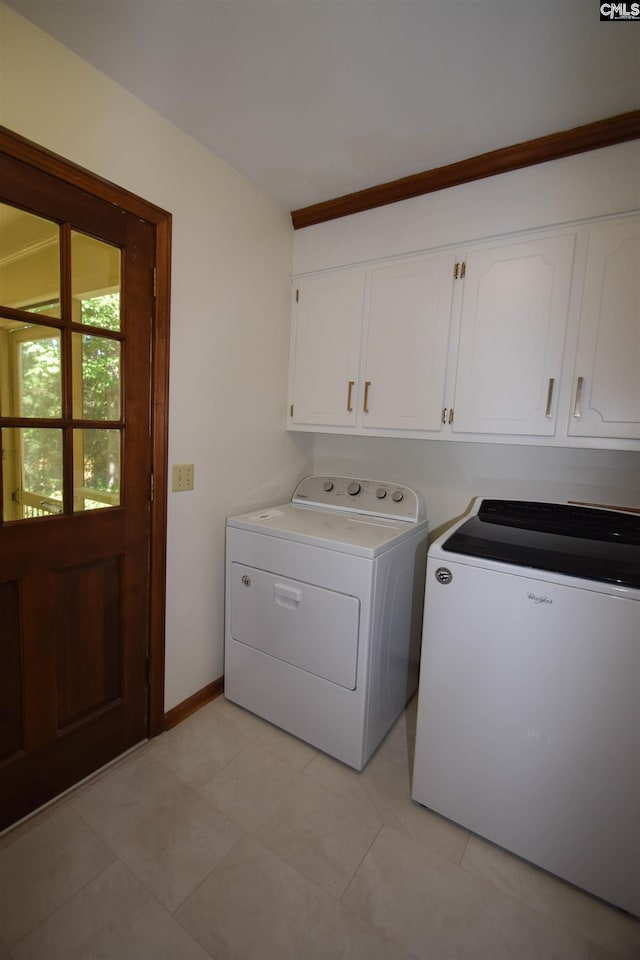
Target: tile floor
228	839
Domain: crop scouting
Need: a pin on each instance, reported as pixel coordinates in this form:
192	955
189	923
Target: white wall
449	474
595	184
230	318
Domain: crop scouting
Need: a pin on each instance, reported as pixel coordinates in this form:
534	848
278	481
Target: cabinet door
406	344
327	325
513	322
606	398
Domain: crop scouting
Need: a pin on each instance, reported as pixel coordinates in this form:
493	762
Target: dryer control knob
381	493
327	486
397	496
353	489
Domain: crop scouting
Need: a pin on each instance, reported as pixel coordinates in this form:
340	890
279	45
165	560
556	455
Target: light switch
182	477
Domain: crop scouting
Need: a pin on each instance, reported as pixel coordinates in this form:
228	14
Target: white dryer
323	611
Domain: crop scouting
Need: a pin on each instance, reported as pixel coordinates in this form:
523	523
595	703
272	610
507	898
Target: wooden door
606	388
325	352
406	344
76	459
513	323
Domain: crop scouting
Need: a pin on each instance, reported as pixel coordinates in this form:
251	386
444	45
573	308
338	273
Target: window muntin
53	370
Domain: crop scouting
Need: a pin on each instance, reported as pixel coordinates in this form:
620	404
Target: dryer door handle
287	596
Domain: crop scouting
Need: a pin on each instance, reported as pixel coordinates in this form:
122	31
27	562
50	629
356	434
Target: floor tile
113	918
167	834
313	829
254	906
598	953
607	927
251	787
43	868
433	831
26	825
265	848
383	790
295	752
438	911
200	746
384	781
350	784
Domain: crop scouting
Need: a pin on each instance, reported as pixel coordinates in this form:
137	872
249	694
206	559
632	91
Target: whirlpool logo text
537	599
620	11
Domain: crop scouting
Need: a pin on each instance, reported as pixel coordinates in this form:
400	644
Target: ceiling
313	99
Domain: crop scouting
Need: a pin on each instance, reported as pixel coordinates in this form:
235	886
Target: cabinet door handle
577	407
349	392
365	406
552	383
444	414
451	415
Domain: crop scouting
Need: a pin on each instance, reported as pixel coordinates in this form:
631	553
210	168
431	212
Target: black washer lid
583	542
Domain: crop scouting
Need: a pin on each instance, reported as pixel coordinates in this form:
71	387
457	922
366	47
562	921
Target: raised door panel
325	349
88	639
11	678
513	323
606	398
406	344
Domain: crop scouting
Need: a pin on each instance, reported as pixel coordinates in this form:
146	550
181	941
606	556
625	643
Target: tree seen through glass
100	388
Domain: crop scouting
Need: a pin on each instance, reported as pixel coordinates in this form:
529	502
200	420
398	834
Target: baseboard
183	710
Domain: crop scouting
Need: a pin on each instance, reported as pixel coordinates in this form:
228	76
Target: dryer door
307	626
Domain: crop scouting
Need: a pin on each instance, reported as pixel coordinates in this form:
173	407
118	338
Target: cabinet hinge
297	296
291	410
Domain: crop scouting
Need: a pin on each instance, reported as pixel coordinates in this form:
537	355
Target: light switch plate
182	477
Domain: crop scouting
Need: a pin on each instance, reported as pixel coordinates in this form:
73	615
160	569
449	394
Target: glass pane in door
30	370
96	469
96	378
95	282
29	262
32	472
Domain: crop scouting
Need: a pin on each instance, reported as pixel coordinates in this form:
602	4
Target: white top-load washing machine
529	703
323	611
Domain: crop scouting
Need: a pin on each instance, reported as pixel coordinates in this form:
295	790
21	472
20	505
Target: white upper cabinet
525	339
606	383
369	347
325	349
405	345
512	334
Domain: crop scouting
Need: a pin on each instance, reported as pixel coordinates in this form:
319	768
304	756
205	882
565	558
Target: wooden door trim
566	143
19	148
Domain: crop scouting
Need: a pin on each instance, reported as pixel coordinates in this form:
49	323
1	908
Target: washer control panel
373	497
